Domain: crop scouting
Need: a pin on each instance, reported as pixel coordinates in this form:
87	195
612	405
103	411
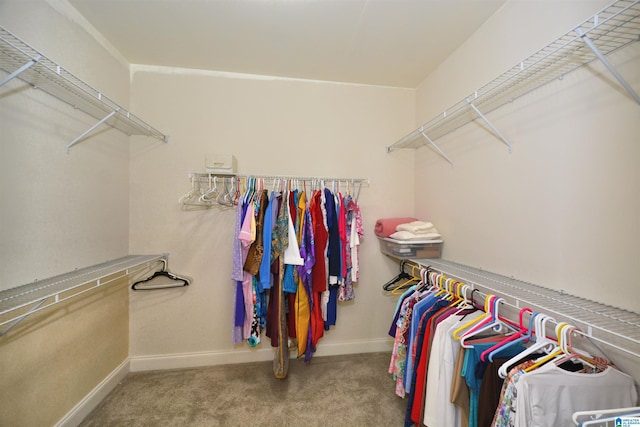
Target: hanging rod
18	303
610	29
199	197
366	181
18	59
611	326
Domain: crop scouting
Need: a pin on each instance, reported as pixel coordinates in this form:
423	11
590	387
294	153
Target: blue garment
473	369
239	300
240	308
265	264
288	282
333	251
419	339
332	307
419	309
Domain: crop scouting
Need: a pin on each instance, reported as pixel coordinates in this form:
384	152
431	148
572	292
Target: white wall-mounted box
225	164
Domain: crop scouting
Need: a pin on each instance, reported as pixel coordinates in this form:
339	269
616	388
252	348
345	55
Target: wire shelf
21	301
609	30
20	60
609	325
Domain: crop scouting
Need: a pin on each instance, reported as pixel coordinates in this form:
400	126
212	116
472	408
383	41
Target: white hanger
496	324
595	415
191	193
209	196
542	343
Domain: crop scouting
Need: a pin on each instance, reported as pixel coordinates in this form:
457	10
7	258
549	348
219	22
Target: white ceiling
379	42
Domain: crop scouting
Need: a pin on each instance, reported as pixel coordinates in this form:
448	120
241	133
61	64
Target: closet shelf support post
91	129
608	64
20	70
21	318
436	147
493	128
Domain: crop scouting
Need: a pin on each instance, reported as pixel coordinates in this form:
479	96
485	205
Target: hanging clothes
295	257
304	294
447	385
319	270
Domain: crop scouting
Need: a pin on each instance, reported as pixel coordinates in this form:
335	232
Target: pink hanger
520	333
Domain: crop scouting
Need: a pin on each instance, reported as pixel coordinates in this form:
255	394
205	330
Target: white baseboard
211	358
79	412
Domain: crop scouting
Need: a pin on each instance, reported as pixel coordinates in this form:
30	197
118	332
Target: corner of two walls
60	212
559	211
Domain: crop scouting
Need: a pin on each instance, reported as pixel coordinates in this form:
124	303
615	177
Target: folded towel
416	227
407	235
386	226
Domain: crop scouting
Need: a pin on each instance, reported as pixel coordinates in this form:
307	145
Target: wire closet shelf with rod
20	60
609	30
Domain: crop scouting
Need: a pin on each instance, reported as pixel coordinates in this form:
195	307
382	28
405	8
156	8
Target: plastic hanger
571	353
191	193
523	335
467	301
492	321
597	415
541	343
456	333
402	276
554	353
224	197
210	195
175	281
441	288
236	195
399	289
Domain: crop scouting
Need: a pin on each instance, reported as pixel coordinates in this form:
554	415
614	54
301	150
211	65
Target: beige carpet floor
349	390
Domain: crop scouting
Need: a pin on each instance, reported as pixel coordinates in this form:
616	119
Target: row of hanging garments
459	365
295	256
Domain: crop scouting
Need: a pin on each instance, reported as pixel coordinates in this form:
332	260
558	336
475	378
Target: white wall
561	211
53	202
272	126
60	211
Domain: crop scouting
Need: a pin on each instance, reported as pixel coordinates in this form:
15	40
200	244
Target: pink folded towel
387	226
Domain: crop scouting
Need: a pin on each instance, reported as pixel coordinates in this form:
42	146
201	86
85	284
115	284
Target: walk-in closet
326	213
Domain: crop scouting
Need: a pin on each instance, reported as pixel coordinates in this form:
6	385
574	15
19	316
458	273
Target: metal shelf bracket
436	147
608	64
91	129
493	128
20	70
24	316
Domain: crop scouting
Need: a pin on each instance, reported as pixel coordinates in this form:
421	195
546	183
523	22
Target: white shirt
549	395
439	411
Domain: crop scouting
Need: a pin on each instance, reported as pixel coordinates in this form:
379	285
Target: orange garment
301	305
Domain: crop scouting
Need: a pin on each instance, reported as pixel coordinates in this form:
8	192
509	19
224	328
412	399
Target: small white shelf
19	302
610	29
20	60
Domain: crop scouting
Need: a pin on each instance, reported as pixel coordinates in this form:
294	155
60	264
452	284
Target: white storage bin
411	248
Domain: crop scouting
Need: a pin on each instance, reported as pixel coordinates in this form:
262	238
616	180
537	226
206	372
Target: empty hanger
163	280
402	276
